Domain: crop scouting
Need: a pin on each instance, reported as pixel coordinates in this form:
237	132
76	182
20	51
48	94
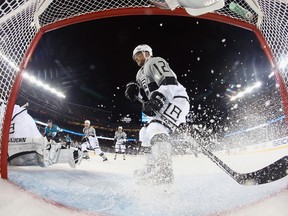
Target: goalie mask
142	48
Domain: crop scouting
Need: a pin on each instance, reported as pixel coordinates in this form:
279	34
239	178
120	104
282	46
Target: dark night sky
92	61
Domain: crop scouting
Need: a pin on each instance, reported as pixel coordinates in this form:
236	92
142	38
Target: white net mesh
271	19
16	34
59	10
21	19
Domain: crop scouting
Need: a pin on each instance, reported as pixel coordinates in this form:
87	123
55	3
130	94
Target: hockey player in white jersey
164	97
26	144
28	147
120	139
90	141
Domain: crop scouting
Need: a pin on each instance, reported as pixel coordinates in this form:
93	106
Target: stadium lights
11	64
39	83
32	79
248	90
283	63
271	74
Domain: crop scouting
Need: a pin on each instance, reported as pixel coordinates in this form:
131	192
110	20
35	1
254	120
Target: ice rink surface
97	188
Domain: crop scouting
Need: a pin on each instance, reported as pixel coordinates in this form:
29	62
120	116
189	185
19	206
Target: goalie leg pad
66	156
18	145
27	151
51	153
24	159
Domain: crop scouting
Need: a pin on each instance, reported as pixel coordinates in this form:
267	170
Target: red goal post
23	22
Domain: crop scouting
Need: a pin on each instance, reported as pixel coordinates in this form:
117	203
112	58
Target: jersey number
163	67
12	128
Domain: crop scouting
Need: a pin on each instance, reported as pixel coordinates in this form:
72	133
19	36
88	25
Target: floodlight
249	89
257	84
240	94
39	83
271	75
11	64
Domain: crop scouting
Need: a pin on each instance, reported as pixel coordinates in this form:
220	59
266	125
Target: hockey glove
84	139
132	90
155	103
148	109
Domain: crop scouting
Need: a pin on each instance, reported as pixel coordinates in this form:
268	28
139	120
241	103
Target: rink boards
276	144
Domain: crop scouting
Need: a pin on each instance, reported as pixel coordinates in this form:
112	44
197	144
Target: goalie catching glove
132	91
155	103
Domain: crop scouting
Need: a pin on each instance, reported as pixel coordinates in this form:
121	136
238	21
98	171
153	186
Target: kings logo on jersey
22	124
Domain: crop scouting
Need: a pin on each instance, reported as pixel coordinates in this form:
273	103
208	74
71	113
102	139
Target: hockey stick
270	173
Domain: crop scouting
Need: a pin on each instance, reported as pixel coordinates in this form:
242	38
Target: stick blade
273	172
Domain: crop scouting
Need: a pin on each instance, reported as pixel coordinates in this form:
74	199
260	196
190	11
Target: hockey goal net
23	22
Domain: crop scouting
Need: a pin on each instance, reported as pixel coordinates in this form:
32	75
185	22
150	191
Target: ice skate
160	174
158	169
103	156
85	155
78	156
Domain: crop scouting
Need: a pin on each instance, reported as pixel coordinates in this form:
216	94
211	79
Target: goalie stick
270	173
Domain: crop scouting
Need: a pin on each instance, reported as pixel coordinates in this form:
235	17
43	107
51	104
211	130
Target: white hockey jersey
22	124
156	74
89	131
120	137
28	147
